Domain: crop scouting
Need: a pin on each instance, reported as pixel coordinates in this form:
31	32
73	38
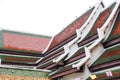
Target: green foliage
27	73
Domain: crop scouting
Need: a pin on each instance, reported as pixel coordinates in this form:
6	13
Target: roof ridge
25	33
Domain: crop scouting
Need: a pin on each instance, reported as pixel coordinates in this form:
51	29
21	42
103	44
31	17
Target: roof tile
101	20
70	30
24	42
115	33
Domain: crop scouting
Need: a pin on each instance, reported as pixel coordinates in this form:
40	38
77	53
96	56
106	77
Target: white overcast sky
45	17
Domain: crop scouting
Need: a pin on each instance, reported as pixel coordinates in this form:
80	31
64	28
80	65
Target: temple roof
111	54
92	35
70	30
12	40
112	46
115	33
101	20
18	48
23	49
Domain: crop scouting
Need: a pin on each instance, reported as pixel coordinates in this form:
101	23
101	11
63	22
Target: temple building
87	49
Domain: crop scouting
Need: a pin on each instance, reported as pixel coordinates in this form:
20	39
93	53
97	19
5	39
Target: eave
61	44
18	64
115	74
49	57
67	69
65	73
20	53
114	44
105	65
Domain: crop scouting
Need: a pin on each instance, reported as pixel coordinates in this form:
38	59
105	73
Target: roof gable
101	20
115	33
69	31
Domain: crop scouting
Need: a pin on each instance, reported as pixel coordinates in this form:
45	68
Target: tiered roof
62	38
108	59
25	49
111	56
19	48
93	32
92	35
65	65
19	52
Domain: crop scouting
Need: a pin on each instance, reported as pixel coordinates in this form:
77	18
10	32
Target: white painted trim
19	55
113	46
68	57
39	60
0	61
53	52
65	67
66	48
49	54
110	29
55	71
45	49
92	18
48	45
11	67
95	43
88	20
111	16
88	55
44	63
17	66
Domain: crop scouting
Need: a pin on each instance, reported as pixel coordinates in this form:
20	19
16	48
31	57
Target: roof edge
25	33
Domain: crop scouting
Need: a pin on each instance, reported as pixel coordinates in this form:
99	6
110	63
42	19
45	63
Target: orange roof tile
21	41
